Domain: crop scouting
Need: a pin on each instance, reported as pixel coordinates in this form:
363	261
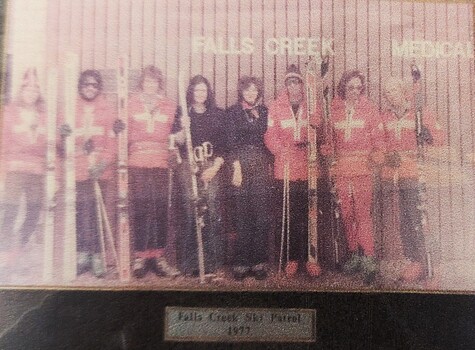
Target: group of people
247	159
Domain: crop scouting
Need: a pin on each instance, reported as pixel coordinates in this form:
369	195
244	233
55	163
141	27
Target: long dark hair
345	78
210	102
247	81
154	73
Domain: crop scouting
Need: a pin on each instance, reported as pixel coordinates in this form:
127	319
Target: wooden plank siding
163	33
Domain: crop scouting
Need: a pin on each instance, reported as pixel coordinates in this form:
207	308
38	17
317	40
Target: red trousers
356	194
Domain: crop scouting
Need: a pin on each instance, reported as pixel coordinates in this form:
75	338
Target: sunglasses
93	85
293	81
354	87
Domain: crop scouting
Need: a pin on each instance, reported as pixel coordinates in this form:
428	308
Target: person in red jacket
95	152
359	144
286	138
401	172
150	119
23	163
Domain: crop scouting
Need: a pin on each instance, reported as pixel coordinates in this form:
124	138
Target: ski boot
98	268
369	268
161	268
291	268
83	262
353	265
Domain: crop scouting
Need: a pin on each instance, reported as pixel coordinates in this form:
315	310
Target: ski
422	190
312	156
50	183
199	218
327	134
71	73
122	173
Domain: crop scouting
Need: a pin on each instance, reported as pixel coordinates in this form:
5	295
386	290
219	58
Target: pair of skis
71	72
327	161
311	77
122	171
195	195
421	161
50	190
311	80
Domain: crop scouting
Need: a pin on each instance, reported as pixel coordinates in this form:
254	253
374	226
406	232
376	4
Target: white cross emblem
349	124
399	124
29	125
150	119
88	128
296	122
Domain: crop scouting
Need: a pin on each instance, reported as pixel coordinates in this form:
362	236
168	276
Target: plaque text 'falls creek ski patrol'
239	324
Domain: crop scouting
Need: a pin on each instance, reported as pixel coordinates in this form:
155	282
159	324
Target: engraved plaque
239	324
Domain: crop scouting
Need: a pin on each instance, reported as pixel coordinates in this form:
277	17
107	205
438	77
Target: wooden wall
160	32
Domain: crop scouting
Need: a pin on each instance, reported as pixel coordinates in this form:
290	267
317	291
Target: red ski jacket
286	138
358	136
94	120
149	131
24	141
401	138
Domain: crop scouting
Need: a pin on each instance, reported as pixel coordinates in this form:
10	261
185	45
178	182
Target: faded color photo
238	145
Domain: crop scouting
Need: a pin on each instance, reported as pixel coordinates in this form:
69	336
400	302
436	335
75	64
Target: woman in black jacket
209	147
251	179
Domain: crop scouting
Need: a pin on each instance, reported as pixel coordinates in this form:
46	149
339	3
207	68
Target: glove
326	150
180	137
237	174
60	151
118	126
96	171
209	174
377	157
65	130
393	159
88	146
426	136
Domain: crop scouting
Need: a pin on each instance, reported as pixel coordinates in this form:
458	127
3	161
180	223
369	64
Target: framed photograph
219	145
